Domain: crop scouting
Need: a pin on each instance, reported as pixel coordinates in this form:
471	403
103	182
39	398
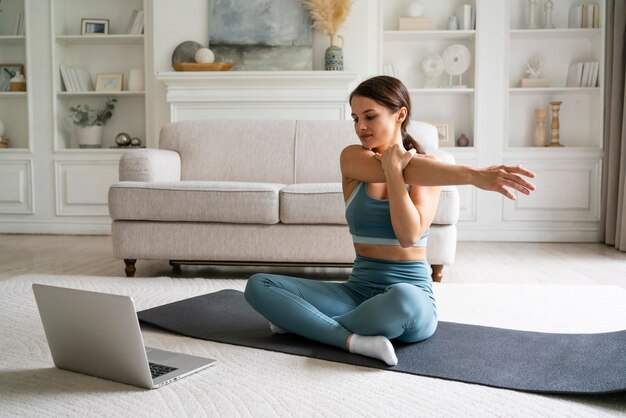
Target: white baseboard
56	227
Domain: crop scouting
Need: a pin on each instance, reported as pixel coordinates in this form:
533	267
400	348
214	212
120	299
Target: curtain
613	220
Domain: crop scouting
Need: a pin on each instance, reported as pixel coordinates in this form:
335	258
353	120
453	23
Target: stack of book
135	24
584	16
75	79
583	74
466	17
19	26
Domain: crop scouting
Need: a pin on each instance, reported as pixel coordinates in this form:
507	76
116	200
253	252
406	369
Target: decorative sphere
122	139
415	9
185	52
204	56
135	142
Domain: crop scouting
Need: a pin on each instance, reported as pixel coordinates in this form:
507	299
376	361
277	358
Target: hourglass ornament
432	67
555	126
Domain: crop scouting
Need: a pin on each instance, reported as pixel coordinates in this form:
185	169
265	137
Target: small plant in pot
89	123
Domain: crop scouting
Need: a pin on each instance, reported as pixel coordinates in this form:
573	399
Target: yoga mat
520	360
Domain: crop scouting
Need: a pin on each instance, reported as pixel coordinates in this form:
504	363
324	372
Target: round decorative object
122	139
135	142
462	141
204	56
457	59
432	65
415	9
185	52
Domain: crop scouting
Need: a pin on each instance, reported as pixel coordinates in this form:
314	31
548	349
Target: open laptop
98	334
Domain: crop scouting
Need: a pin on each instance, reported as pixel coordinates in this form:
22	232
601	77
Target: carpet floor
250	382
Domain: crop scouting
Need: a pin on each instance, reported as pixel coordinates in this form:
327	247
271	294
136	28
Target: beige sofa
250	192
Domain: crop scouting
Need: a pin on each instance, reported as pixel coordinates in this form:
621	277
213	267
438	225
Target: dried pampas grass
328	15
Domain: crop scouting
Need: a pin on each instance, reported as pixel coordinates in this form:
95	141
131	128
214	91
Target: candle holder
555	126
540	127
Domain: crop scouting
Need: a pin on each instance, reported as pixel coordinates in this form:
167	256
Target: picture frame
7	72
94	26
109	81
445	131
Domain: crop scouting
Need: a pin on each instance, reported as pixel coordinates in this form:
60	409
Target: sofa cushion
195	201
312	203
242	150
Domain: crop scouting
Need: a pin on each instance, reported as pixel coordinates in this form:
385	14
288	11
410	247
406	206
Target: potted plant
89	123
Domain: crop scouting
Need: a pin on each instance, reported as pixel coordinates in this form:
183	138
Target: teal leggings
389	298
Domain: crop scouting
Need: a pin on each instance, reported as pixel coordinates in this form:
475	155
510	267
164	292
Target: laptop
98	334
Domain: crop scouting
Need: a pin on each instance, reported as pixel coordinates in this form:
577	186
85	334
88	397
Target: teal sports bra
369	219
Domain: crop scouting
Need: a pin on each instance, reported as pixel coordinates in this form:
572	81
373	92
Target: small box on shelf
534	82
415	23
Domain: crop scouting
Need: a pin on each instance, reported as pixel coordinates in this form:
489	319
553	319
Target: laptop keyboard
159	369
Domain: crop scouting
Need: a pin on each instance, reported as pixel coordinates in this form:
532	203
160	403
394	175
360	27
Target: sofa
250	192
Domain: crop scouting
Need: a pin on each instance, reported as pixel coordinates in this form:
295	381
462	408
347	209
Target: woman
391	191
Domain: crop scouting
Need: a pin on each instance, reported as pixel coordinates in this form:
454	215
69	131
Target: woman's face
375	125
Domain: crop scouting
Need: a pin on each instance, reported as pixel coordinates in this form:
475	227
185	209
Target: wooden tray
194	66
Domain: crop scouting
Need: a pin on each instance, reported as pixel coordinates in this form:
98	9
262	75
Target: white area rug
250	382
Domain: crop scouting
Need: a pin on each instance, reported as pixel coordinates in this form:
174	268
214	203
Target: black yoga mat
504	358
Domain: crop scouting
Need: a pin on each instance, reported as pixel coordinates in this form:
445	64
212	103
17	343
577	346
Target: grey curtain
613	218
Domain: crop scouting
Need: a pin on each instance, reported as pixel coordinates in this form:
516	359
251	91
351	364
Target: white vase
135	80
89	136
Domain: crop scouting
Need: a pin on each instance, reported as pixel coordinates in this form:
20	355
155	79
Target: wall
187	20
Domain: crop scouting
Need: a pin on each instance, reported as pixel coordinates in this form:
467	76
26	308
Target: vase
334	54
89	136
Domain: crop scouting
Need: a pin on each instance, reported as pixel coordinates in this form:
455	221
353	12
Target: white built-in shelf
428	35
554	152
12	40
553	90
90	150
434	91
12	94
99	39
566	34
14	150
67	94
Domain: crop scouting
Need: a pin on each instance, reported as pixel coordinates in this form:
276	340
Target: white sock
377	347
277	330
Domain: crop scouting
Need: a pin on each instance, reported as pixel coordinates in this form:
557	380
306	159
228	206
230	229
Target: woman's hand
496	178
395	158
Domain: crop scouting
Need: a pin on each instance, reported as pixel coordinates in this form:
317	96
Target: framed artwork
7	72
94	26
109	81
445	132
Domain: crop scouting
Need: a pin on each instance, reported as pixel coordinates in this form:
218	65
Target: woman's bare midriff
391	252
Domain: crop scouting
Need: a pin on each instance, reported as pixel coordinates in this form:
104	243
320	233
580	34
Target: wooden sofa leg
130	267
437	272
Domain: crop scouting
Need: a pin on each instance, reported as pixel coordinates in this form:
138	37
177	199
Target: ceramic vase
334	54
89	136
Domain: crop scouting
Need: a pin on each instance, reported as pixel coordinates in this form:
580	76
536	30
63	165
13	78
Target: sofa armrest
444	156
150	165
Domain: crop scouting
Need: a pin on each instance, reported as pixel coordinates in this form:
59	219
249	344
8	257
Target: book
596	16
65	78
585	16
84	80
574	75
575	17
415	23
594	74
585	76
19	26
465	16
131	22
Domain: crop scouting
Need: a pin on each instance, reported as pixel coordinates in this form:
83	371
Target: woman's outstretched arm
362	164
